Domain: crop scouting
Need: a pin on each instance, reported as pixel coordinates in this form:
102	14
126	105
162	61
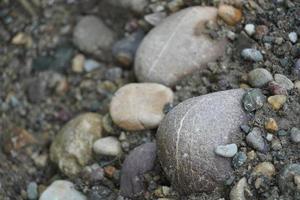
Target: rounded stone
277	101
259	77
92	36
62	190
189	134
252	55
137	6
284	81
295	135
71	149
139	106
178	46
109	146
256	141
265	168
237	192
227	151
230	14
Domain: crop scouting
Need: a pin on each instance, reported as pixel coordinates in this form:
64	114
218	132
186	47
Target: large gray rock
189	134
177	47
72	147
92	36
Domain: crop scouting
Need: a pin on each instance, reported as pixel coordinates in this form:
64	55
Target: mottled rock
109	146
71	149
237	192
62	190
186	140
139	161
177	47
230	14
295	135
256	141
250	29
271	125
284	81
239	159
277	101
259	77
92	36
265	168
139	106
227	151
276	88
253	100
252	55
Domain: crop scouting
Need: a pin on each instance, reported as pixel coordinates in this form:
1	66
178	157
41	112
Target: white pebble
293	37
227	151
109	146
90	65
250	29
269	137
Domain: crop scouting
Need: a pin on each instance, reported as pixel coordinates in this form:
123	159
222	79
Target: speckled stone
237	192
186	140
284	81
259	77
252	55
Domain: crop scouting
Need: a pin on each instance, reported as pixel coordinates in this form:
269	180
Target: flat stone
284	81
178	47
259	77
71	149
252	55
256	141
187	140
139	106
227	151
62	190
109	146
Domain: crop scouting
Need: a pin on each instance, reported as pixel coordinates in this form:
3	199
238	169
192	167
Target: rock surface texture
189	134
178	46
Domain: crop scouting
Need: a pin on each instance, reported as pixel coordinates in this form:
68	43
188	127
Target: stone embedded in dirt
297	85
189	134
109	146
92	173
259	77
277	101
32	191
286	178
62	190
276	88
71	149
90	65
139	106
256	141
271	125
252	55
227	151
239	159
293	37
78	63
230	14
178	46
139	161
261	31
253	100
250	29
284	81
237	192
92	36
137	6
22	39
295	135
124	50
265	168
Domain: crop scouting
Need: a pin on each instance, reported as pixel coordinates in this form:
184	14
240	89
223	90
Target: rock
134	5
261	31
252	55
253	100
284	81
92	36
293	37
227	151
22	39
259	77
92	173
250	29
295	135
62	190
124	50
271	125
229	14
186	140
109	146
155	18
237	192
113	74
78	63
276	88
139	106
297	67
139	161
269	137
286	178
32	191
90	65
265	168
178	47
297	181
277	101
71	149
297	85
239	159
256	141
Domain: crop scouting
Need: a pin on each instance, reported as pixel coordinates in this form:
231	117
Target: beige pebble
297	181
251	155
265	168
297	85
22	39
229	14
237	192
277	101
78	63
139	106
271	125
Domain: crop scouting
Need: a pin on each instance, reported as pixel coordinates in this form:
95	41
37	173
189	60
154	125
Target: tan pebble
271	125
297	85
265	168
237	192
251	155
229	14
277	101
297	181
22	39
139	106
78	63
244	86
62	87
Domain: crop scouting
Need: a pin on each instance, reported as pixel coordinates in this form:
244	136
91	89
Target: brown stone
230	14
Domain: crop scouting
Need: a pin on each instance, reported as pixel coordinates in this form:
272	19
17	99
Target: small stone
269	137
259	77
92	173
256	141
284	81
271	125
261	31
239	159
32	191
297	67
293	37
295	135
137	6
92	36
71	149
62	190
155	18
139	161
90	65
110	171
282	133
22	39
229	14
227	151
252	55
265	168
237	192
109	146
276	145
245	128
250	29
297	181
231	35
251	155
276	89
297	85
277	101
139	106
253	100
286	178
78	63
113	74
